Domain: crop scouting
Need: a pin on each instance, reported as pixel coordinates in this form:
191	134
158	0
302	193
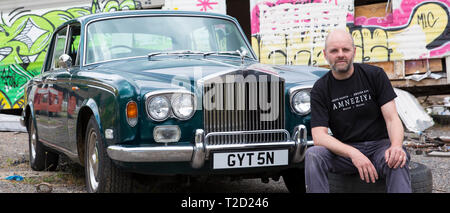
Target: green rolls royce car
166	93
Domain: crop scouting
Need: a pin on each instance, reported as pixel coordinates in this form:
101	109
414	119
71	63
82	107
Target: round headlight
301	102
158	108
183	106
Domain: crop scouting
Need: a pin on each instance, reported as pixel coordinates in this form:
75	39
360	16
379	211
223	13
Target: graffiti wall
294	31
216	6
24	37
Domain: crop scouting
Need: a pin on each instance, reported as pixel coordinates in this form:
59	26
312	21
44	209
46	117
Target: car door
40	106
58	82
64	86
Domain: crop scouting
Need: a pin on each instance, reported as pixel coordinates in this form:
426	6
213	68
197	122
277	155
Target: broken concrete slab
11	123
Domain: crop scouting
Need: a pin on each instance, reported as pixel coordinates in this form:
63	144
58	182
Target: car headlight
158	108
183	106
301	102
179	104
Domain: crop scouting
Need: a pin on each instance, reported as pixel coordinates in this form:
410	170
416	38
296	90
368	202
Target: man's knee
316	153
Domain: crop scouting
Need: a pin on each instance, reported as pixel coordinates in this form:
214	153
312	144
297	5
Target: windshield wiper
181	52
236	53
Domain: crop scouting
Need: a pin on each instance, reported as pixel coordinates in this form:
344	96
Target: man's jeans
319	161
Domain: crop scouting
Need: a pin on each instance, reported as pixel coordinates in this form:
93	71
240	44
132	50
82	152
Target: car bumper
200	151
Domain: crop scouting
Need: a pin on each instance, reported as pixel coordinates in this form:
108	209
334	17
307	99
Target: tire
102	176
294	179
40	157
421	178
421	182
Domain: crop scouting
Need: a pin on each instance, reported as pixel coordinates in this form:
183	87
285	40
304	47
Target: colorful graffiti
24	37
293	31
217	6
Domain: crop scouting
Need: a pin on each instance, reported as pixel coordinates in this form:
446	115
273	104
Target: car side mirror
65	61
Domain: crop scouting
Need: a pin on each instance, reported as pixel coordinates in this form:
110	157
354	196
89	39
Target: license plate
232	160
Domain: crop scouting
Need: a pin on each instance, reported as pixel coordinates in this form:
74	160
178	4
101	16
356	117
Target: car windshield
150	36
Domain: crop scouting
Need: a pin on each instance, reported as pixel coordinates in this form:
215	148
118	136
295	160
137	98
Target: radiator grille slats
244	104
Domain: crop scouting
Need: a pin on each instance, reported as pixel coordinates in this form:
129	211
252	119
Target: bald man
356	102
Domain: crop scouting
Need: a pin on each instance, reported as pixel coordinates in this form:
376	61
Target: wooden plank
372	10
399	69
388	67
447	68
424	82
420	66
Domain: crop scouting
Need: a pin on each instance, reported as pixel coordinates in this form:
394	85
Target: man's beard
342	70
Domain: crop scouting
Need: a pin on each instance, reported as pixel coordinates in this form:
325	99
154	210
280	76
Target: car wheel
294	179
40	158
421	182
100	172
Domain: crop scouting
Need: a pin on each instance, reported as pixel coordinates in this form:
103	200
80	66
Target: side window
74	44
58	47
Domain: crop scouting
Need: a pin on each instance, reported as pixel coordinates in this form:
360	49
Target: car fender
92	105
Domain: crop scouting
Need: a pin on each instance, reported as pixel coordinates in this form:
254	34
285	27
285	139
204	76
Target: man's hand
395	156
365	167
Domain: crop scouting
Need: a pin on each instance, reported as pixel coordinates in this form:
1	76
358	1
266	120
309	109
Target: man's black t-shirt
351	107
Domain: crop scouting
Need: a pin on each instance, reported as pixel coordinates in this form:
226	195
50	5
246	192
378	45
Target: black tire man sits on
356	102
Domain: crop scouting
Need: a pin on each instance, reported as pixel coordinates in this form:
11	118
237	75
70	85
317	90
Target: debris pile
440	112
423	144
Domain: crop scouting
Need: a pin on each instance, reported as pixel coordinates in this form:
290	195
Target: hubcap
93	160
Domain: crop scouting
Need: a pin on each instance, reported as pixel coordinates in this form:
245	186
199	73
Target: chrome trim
199	152
167	94
238	26
247	116
300	138
150	154
295	90
243	145
198	155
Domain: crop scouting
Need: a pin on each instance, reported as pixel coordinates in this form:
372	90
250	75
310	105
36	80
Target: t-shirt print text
353	101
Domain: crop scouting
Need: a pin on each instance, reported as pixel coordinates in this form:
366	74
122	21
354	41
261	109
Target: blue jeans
319	161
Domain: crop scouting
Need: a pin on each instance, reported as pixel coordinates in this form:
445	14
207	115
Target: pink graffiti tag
205	4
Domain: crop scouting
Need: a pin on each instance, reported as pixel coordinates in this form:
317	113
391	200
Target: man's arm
395	156
365	167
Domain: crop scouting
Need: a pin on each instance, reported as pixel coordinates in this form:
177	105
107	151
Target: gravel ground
69	178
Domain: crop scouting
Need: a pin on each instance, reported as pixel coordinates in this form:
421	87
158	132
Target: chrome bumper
198	153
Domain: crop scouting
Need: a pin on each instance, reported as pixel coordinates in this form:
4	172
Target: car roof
96	16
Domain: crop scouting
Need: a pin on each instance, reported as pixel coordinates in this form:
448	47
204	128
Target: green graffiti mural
24	38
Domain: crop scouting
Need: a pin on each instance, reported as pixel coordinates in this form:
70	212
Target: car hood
163	73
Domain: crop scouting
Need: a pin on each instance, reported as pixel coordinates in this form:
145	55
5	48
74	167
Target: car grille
241	105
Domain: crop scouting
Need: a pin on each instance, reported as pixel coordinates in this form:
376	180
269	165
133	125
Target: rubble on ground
427	145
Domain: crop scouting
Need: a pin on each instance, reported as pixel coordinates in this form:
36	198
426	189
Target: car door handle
51	79
37	80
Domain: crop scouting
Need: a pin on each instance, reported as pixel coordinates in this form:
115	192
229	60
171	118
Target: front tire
40	158
100	172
